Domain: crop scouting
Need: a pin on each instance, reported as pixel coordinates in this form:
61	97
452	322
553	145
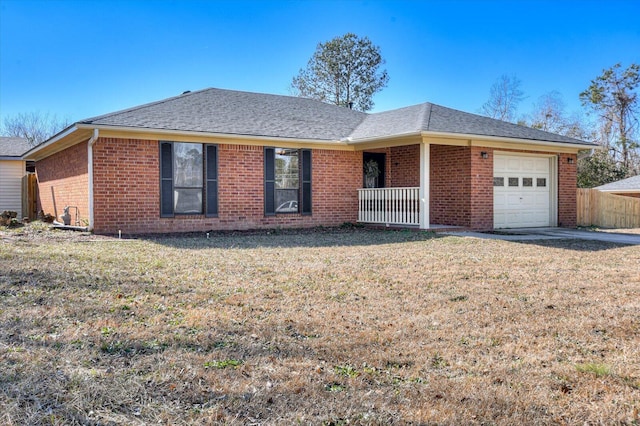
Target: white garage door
521	195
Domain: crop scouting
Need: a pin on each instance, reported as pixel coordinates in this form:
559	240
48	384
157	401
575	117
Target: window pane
498	181
188	201
513	181
527	181
287	172
286	201
187	165
541	182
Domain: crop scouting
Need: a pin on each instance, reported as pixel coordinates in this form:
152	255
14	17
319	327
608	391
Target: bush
45	217
8	218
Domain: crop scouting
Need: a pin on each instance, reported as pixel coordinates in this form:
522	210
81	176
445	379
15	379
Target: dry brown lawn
342	326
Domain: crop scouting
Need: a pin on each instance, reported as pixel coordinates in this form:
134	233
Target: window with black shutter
188	179
211	188
287	181
306	182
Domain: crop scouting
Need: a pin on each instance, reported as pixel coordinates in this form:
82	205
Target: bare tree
504	96
35	127
549	114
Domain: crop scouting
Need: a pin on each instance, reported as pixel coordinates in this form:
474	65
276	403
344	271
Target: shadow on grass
574	244
274	238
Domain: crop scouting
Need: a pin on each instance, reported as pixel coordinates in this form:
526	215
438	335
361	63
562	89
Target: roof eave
503	139
469	137
154	133
388	139
54	144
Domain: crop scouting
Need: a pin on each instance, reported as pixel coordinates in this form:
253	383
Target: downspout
90	144
586	155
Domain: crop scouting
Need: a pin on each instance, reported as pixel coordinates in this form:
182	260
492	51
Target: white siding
11	173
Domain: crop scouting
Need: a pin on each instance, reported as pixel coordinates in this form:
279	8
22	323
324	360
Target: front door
373	169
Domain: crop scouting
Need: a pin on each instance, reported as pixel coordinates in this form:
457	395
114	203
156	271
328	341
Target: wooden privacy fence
29	196
597	208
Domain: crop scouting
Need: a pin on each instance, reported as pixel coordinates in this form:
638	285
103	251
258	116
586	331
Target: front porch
427	186
389	206
395	208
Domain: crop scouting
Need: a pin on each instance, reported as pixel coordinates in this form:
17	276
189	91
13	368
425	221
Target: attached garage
524	190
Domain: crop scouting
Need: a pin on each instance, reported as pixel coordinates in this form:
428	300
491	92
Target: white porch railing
390	206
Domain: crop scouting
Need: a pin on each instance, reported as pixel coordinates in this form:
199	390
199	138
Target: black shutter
211	153
166	179
306	182
269	181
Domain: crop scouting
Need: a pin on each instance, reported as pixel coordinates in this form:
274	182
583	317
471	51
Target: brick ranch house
228	160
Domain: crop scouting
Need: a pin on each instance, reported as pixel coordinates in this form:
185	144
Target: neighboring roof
240	113
631	184
13	147
429	117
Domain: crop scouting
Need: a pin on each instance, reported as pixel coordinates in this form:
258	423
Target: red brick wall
337	175
127	190
126	183
127	187
567	190
481	189
450	185
63	181
404	166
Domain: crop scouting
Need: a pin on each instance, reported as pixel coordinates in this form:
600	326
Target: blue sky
79	59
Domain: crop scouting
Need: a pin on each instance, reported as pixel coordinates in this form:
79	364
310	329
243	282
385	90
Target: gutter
470	137
209	135
90	144
588	154
485	138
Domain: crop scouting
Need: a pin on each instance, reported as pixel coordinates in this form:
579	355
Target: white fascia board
371	139
507	139
168	133
467	136
66	132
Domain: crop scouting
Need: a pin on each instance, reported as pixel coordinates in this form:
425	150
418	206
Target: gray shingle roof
240	113
628	184
435	118
13	147
257	114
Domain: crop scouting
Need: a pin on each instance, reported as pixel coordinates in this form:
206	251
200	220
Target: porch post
424	185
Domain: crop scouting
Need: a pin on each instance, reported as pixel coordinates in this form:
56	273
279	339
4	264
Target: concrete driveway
529	234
